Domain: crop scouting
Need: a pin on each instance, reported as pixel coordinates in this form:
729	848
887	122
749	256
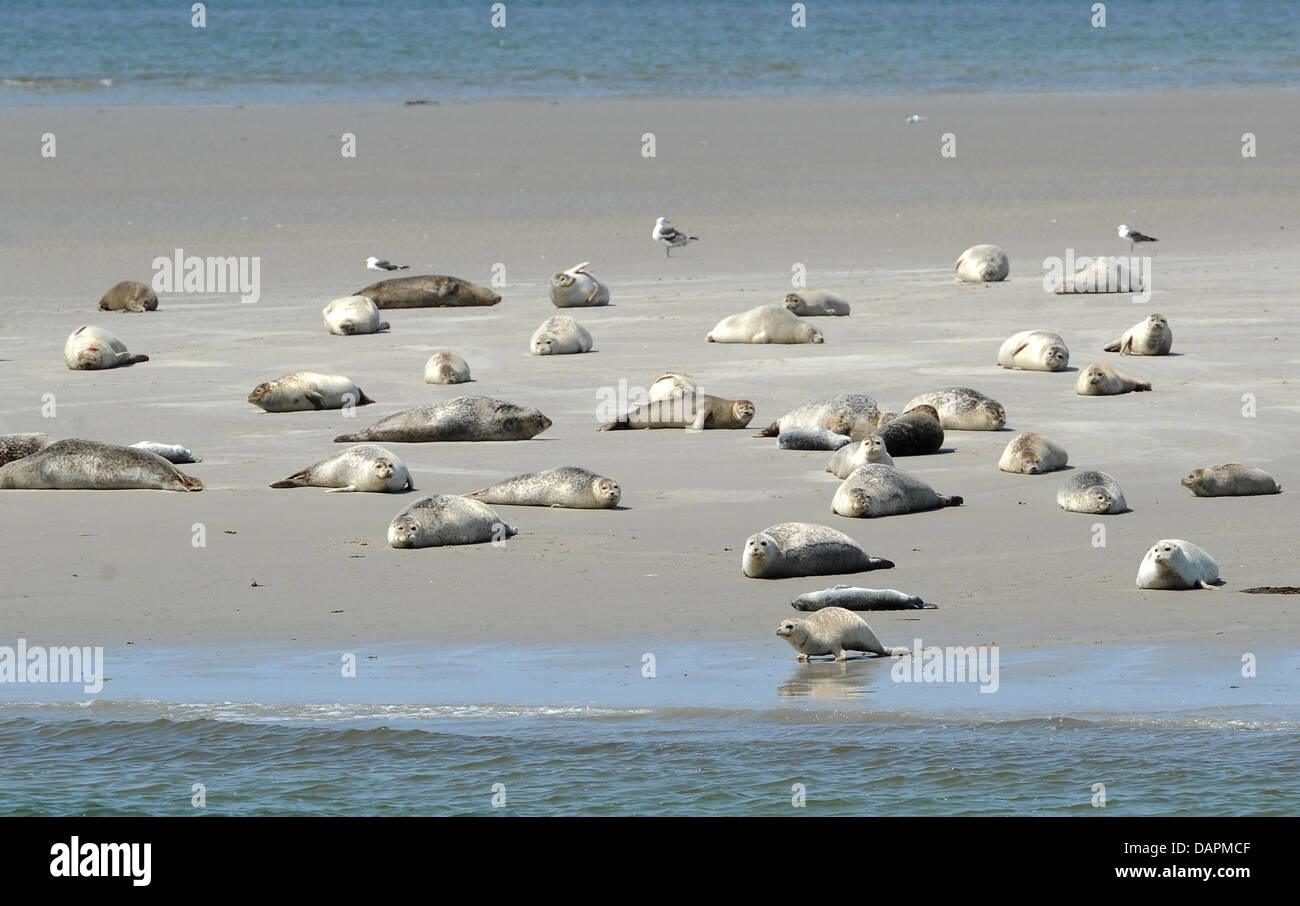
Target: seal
578	288
834	631
865	452
1176	564
560	335
353	315
1034	350
764	324
804	549
917	432
811	439
89	465
695	411
1098	275
427	291
469	418
853	414
16	446
1102	380
302	391
93	349
983	264
446	368
808	303
878	490
1032	454
1149	337
853	598
443	520
1230	479
963	409
365	467
129	295
567	486
1091	492
173	453
666	386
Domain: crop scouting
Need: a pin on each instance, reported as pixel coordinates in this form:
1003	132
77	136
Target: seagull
378	264
1133	236
670	236
915	118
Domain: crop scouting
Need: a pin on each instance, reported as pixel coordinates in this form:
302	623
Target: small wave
53	83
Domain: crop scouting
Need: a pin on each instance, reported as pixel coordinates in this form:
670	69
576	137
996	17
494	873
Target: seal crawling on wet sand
834	631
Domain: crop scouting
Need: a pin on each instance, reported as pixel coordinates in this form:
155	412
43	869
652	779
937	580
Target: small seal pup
1176	564
864	453
1149	337
764	324
427	291
93	348
804	549
173	453
1230	479
302	391
853	414
694	411
129	295
1032	454
446	368
1034	350
983	264
853	598
89	465
878	490
353	315
1092	492
560	335
567	486
669	385
443	520
963	409
578	288
917	432
365	467
16	446
808	303
1102	380
834	631
471	418
811	439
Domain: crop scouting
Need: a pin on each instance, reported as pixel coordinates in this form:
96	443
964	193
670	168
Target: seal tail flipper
880	563
953	501
1142	385
134	359
771	430
1207	586
383	325
476	495
296	480
1112	346
364	400
926	605
348	438
191	483
617	424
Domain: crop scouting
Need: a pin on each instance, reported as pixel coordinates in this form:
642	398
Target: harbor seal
791	549
365	467
578	288
833	631
853	414
173	453
89	465
666	386
879	490
917	432
1032	454
427	291
983	264
568	486
1230	479
467	418
16	446
1092	492
963	409
443	520
764	324
853	598
560	335
809	303
1102	380
446	368
811	439
1097	275
129	295
353	315
694	411
1034	350
1176	564
93	348
865	452
1149	337
303	391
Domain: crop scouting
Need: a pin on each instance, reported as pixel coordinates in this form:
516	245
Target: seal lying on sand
917	432
696	411
1034	350
1230	479
1092	492
92	466
1102	380
446	368
16	446
983	264
560	335
475	418
304	391
353	315
963	409
804	549
173	453
807	303
578	288
864	453
833	631
567	486
811	439
365	467
1032	454
1149	337
764	324
853	598
879	490
669	385
444	520
93	349
1176	564
428	291
855	415
129	295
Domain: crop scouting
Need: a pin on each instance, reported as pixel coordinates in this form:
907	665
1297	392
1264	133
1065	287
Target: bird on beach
670	236
379	264
1133	236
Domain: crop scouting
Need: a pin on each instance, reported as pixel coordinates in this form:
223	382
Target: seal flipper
317	401
296	480
1112	346
951	501
879	563
365	400
131	359
771	430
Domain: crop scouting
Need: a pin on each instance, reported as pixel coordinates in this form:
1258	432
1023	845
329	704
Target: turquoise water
252	52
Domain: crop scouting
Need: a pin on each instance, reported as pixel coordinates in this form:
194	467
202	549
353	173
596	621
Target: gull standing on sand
379	264
1133	236
670	236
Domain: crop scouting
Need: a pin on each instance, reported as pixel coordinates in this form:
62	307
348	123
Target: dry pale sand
863	200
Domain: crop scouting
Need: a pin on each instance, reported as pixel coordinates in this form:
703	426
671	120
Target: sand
864	201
